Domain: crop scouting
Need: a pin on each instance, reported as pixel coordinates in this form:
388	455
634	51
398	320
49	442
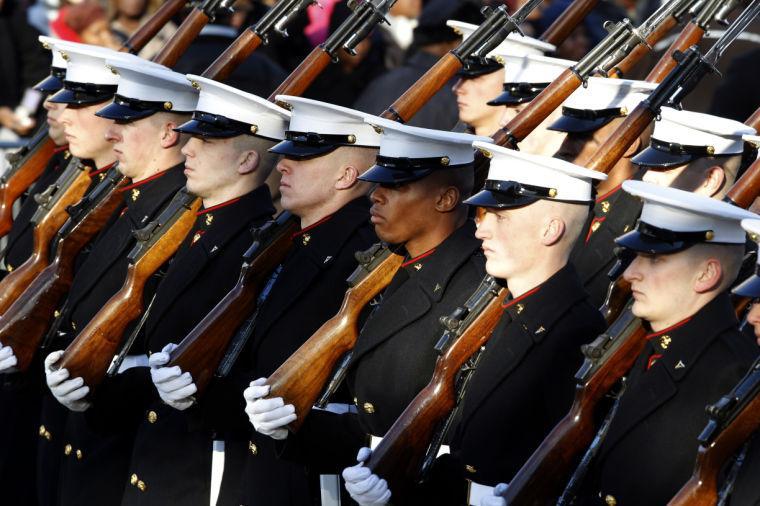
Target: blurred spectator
126	16
399	34
23	62
84	22
342	82
432	39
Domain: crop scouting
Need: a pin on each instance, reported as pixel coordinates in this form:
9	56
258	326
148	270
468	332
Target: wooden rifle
491	32
303	376
691	68
564	25
23	325
364	16
754	120
399	456
89	355
733	420
28	164
47	220
201	351
621	40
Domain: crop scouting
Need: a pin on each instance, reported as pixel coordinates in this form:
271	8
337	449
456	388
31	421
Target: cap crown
530	68
515	44
688	128
269	120
603	93
143	82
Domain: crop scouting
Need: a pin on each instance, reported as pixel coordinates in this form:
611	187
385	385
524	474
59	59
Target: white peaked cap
403	141
87	63
531	68
605	93
309	115
697	129
681	211
515	44
568	181
49	43
270	120
752	139
750	287
152	84
752	227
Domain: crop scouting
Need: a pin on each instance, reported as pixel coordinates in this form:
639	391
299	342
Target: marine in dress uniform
694	352
230	124
523	382
588	117
480	79
323	143
415	169
94	462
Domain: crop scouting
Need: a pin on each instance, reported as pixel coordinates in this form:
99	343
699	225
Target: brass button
253	448
67	450
595	226
79	455
368	408
152	416
73	326
9	268
610	500
141	486
305	239
133	479
42	430
469	469
356	401
48	435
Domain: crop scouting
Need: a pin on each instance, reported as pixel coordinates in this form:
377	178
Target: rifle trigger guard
145	233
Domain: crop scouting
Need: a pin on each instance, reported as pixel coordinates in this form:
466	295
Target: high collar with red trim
100	172
141	196
254	204
681	344
539	308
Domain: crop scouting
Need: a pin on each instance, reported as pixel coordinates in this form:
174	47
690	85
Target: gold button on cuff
253	448
79	455
48	435
610	500
368	408
141	486
133	479
469	469
152	416
42	430
67	450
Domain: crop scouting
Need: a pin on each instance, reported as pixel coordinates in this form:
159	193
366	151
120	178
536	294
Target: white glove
268	416
69	392
496	499
174	387
366	488
7	358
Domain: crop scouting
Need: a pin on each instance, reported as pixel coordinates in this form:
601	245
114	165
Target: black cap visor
518	93
749	287
83	93
507	194
123	111
475	67
665	155
385	175
654	240
213	126
576	121
53	82
302	145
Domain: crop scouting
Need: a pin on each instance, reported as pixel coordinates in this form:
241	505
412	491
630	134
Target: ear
633	149
348	177
709	276
553	231
249	162
168	137
715	177
447	200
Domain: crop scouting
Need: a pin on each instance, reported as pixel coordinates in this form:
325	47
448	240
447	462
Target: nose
189	148
65	117
633	272
378	195
113	133
283	166
457	88
483	224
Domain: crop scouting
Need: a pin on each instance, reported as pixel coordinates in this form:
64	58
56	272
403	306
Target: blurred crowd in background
386	63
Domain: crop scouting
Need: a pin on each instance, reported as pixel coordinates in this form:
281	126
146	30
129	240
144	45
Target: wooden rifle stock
246	43
22	174
690	35
49	218
303	376
398	458
152	26
89	355
564	25
733	421
746	189
301	78
202	349
539	481
615	146
178	43
630	61
24	324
